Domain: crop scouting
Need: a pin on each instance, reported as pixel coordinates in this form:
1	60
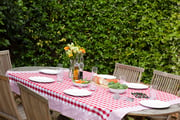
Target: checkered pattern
100	102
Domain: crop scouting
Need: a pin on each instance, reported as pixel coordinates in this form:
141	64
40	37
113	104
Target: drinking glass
123	79
60	73
93	74
152	94
94	71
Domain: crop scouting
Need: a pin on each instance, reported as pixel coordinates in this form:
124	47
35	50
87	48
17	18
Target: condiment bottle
76	70
81	67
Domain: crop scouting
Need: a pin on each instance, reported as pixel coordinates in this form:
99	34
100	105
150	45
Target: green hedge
144	33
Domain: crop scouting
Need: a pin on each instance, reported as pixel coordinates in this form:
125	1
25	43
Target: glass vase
76	68
71	68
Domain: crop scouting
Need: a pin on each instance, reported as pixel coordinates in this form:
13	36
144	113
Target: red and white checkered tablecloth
100	103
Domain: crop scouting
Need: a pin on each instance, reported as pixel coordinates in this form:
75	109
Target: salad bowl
117	89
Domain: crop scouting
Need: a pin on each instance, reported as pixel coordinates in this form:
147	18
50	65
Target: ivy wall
144	33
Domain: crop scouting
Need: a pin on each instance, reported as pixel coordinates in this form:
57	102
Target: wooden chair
168	83
5	62
132	73
8	107
35	106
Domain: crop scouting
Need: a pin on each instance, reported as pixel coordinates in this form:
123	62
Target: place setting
157	104
77	92
79	88
41	79
136	86
48	71
52	71
83	86
152	101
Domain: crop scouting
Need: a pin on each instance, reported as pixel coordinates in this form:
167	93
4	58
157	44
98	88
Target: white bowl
80	85
117	90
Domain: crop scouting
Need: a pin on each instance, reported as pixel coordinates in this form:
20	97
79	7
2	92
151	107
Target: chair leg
17	98
175	116
178	116
169	117
1	118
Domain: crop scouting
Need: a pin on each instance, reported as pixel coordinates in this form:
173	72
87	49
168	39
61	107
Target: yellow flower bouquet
75	53
72	51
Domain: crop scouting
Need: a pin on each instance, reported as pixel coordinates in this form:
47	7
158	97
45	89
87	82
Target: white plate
154	104
41	79
136	86
77	92
106	76
48	71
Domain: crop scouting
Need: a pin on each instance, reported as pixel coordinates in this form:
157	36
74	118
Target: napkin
140	95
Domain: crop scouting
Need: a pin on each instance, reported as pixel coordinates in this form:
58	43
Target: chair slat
5	62
8	107
166	82
132	73
36	106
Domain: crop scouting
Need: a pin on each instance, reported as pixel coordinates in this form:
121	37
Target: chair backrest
132	73
8	107
35	106
166	82
5	61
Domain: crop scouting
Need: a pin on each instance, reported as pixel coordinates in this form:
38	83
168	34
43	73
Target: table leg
139	118
125	118
133	117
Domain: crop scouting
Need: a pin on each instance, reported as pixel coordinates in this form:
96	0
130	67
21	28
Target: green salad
114	85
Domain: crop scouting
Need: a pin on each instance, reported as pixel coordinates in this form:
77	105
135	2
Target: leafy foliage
142	33
4	42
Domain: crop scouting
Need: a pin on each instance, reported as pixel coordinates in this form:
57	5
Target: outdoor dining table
100	105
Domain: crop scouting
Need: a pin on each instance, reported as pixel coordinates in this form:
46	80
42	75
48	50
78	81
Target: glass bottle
76	69
81	67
